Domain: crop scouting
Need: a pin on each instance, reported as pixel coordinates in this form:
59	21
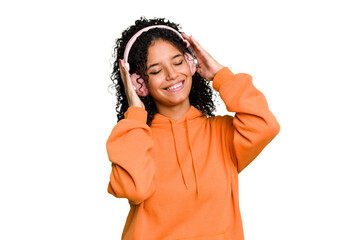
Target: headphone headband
136	35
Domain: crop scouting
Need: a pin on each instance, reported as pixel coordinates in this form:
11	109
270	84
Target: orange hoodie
181	177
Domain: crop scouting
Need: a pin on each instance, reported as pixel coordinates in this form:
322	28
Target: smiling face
169	74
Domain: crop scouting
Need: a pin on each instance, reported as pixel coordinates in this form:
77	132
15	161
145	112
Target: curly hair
201	94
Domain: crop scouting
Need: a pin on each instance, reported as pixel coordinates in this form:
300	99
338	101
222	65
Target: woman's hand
208	66
131	95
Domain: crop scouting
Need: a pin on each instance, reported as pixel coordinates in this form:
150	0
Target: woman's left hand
207	65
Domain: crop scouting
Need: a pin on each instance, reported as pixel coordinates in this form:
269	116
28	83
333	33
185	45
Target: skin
166	66
169	70
130	92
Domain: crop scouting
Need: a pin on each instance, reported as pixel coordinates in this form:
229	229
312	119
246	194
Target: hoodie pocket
221	236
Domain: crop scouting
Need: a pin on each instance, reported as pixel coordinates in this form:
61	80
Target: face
169	75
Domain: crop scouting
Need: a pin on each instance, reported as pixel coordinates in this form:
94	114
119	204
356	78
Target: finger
125	76
188	39
124	67
200	51
185	36
196	46
121	68
127	66
121	63
197	49
192	41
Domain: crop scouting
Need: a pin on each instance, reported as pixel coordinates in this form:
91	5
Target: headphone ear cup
190	61
139	84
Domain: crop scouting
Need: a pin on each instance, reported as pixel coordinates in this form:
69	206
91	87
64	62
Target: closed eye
177	64
154	73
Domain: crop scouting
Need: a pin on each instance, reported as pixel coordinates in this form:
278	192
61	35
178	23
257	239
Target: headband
136	35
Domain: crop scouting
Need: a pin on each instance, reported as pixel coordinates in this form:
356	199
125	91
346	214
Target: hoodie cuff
136	113
222	76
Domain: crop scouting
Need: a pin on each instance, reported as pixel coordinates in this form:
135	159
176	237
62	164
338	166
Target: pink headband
133	38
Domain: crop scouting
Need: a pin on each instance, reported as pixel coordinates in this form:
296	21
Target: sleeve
253	125
128	146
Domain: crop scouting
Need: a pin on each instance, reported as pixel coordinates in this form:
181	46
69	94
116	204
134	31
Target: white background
57	112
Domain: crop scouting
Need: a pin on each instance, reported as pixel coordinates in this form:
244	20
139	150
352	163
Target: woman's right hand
131	95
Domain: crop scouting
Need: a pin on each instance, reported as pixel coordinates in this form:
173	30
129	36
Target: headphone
137	81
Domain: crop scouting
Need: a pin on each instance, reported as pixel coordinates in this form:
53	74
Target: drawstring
177	156
191	153
192	157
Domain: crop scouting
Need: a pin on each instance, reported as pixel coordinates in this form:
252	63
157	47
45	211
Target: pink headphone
137	81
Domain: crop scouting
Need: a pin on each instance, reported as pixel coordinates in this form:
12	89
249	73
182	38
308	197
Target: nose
171	73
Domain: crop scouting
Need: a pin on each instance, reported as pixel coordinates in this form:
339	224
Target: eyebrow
152	65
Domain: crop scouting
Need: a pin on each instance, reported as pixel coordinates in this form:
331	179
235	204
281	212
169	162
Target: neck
174	112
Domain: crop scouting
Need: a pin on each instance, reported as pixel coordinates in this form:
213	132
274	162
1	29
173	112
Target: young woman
175	161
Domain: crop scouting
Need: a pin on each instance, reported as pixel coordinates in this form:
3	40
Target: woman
174	161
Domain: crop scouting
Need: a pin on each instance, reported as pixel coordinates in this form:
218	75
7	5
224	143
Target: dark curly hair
201	94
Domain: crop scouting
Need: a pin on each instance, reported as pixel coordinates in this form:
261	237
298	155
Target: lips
175	86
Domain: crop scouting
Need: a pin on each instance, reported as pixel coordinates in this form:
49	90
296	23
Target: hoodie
181	177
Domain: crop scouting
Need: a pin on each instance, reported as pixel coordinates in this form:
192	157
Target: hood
191	114
188	118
